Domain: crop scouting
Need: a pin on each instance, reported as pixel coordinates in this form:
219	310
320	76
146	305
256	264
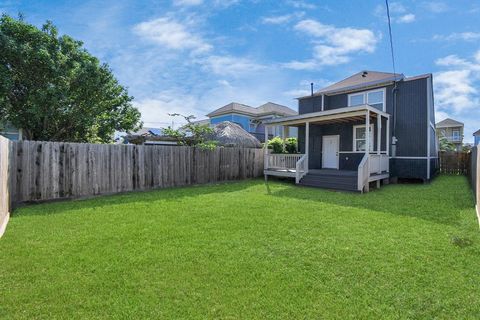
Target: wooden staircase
331	179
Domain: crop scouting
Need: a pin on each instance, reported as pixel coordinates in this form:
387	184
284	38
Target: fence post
477	180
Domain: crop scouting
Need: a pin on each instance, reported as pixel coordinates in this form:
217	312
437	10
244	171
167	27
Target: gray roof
447	123
362	79
271	107
476	133
264	109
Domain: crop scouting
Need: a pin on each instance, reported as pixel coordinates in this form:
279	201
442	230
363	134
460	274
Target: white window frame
365	95
354	141
455	138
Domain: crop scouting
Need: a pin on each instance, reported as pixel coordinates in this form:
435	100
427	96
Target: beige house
452	130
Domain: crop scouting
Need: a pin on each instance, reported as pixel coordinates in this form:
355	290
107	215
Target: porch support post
307	142
379	133
388	136
284	133
265	155
379	145
367	133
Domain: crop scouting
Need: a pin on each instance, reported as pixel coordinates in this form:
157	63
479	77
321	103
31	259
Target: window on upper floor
456	135
374	98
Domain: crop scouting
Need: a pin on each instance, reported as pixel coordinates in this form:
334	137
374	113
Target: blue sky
192	56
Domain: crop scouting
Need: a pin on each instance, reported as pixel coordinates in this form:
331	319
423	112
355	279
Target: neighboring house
10	132
369	127
148	136
251	119
452	130
476	137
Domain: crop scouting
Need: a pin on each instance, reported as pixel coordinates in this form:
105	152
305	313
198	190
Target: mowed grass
245	251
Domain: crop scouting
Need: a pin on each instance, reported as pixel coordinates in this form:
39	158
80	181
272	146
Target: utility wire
391	38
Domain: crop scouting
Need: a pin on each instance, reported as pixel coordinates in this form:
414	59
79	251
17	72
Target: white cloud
332	45
301	4
397	7
155	110
456	88
435	6
456	91
171	34
229	65
301	65
408	18
463	36
282	19
398	13
187	2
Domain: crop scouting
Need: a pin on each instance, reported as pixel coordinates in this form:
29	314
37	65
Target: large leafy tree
53	89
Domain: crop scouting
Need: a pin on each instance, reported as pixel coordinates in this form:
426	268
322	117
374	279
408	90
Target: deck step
330	181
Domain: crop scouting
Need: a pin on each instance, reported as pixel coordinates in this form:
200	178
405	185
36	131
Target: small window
359	138
357	99
374	98
456	135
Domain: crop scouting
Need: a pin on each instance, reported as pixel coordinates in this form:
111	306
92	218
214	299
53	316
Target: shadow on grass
100	201
441	201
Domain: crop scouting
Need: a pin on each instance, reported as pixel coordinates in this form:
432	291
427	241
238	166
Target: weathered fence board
474	177
4	184
52	170
454	162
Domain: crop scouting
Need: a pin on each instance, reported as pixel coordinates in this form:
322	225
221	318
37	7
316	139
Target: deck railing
378	163
282	161
363	173
371	164
301	168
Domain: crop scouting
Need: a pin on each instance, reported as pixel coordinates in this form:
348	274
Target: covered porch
334	144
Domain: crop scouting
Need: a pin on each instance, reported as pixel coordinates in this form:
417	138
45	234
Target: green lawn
242	251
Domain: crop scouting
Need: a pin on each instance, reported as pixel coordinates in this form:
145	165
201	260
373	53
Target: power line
391	38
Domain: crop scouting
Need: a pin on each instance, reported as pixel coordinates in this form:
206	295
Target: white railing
280	161
301	168
363	173
379	163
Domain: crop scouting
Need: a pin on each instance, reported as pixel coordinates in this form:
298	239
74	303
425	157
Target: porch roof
348	113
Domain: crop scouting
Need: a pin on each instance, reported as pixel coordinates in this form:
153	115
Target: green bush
291	145
279	145
276	144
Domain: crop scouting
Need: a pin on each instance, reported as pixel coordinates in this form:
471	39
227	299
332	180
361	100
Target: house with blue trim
251	119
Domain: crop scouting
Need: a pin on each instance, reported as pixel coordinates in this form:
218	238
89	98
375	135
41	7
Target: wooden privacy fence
4	183
474	177
52	170
454	162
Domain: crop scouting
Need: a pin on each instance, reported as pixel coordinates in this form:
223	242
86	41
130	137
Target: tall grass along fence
4	184
51	170
454	162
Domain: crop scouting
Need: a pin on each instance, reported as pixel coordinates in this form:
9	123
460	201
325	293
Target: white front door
330	150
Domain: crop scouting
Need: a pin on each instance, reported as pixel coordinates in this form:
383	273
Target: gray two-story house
452	130
367	128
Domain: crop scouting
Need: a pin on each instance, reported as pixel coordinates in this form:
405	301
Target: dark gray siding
347	161
409	168
309	105
411	122
336	102
410	130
